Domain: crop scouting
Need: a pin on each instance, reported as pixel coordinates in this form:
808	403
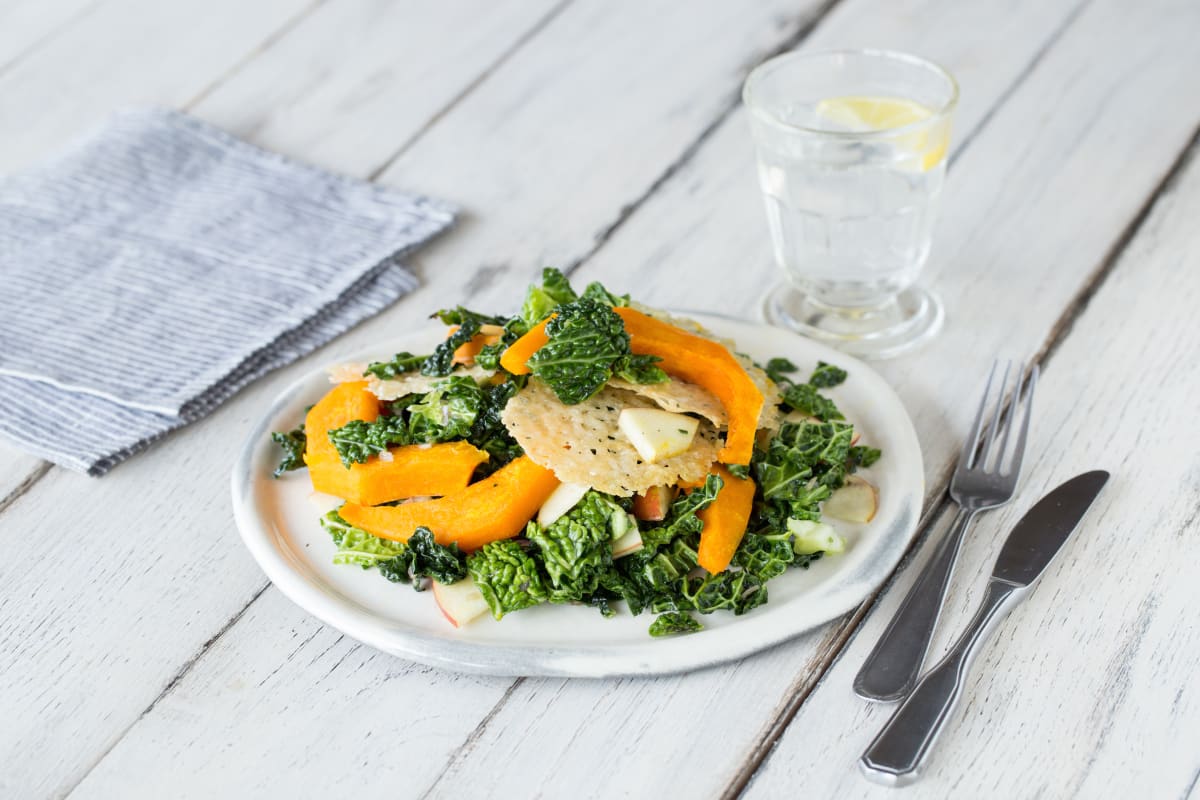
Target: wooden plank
618	725
395	722
1087	690
158	619
353	83
26	25
126	52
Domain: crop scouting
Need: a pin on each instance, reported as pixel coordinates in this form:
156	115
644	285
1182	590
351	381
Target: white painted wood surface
599	134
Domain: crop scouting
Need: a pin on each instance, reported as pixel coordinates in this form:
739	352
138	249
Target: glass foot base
910	319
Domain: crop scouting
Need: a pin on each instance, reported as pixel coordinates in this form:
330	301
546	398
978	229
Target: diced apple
560	501
628	542
657	434
813	537
460	602
856	501
654	504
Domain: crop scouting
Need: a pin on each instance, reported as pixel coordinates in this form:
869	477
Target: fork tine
972	441
1010	419
1027	408
986	449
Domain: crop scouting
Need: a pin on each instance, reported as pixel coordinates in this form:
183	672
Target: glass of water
851	158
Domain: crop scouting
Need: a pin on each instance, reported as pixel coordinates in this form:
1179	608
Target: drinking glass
851	158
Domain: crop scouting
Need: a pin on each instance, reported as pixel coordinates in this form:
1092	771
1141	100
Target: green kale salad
588	450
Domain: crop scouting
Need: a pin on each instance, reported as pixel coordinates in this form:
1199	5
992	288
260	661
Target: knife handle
901	748
891	669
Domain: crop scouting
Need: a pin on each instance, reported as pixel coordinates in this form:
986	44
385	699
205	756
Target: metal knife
897	754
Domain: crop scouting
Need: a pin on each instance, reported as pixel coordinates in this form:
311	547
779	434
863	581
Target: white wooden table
143	653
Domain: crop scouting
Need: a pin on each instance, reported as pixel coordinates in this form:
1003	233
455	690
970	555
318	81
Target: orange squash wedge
514	357
496	507
725	521
413	471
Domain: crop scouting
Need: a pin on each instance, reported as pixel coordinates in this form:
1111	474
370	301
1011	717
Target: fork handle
891	669
901	748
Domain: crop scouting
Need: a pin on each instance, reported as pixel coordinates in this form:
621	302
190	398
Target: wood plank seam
1078	305
1054	340
166	690
49	37
35	475
802	32
266	44
805	685
1021	77
517	45
473	737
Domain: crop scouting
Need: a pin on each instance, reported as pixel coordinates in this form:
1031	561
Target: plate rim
652	657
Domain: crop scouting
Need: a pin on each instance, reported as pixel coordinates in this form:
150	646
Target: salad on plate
588	450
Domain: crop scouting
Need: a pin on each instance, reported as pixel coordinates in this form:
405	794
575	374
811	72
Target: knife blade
1044	529
897	754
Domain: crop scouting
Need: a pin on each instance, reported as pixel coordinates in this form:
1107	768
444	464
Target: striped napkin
161	265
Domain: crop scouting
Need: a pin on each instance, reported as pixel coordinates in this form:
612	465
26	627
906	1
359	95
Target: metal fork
983	480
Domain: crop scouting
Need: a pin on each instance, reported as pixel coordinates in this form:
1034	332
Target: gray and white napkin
161	265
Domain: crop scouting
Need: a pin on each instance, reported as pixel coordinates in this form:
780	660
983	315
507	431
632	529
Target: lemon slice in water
862	114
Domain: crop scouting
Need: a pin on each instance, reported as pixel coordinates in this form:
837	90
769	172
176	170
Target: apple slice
628	542
460	602
560	501
657	434
813	537
654	504
856	501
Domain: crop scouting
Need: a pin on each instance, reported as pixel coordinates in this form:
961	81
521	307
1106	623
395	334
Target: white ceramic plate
280	525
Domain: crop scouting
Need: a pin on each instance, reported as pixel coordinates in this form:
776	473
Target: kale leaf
806	399
442	361
576	549
414	562
358	440
400	364
293	443
765	556
461	316
586	339
540	301
596	291
778	369
488	433
736	590
448	411
826	375
507	577
674	622
356	546
640	369
681	518
862	456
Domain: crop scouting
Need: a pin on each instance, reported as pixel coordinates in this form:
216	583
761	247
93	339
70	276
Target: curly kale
640	369
674	622
765	556
461	316
801	467
358	440
442	360
596	291
554	291
827	375
356	546
586	340
399	364
488	432
421	558
861	456
507	577
681	519
778	369
446	412
576	549
806	399
293	443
